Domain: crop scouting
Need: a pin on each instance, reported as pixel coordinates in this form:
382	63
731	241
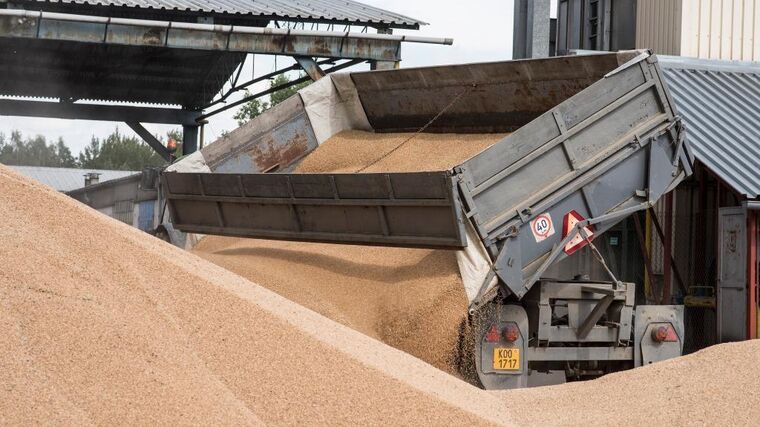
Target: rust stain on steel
320	47
153	36
269	153
15	26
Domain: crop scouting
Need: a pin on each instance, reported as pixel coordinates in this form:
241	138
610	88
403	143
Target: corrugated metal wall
658	25
721	29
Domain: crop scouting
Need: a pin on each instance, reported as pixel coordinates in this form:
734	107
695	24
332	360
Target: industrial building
68	179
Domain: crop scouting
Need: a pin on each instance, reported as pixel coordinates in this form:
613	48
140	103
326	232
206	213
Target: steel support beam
151	140
310	66
24	24
674	267
109	113
189	139
275	89
385	65
667	248
540	354
753	321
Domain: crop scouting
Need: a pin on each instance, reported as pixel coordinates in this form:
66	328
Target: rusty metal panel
481	98
410	209
271	141
327	45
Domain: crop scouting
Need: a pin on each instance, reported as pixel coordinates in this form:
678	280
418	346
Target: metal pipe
218	29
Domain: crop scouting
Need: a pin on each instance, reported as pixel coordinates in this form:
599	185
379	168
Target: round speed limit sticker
542	227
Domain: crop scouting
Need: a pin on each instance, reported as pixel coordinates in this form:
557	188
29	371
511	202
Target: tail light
493	334
664	333
511	332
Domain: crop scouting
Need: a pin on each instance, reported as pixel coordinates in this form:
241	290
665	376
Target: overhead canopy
171	52
77	71
720	104
231	11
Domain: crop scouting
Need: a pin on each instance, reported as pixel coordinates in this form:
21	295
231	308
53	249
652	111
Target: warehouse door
732	275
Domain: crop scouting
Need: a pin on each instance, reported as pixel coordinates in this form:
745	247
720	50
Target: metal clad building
710	29
67	179
719	101
658	25
595	25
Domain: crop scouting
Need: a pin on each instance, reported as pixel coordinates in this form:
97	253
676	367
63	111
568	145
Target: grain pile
353	150
715	386
411	299
102	324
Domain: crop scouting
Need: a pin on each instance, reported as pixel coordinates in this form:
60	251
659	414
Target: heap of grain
715	386
103	324
412	299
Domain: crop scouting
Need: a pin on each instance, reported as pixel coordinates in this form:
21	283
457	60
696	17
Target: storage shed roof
720	104
337	11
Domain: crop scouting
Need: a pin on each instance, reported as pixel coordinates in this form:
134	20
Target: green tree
250	109
255	107
118	152
34	151
65	158
286	93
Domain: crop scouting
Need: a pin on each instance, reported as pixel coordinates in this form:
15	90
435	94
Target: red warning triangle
568	225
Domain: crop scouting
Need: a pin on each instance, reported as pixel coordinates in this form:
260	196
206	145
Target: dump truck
590	140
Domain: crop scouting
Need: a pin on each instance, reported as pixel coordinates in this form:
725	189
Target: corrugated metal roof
53	69
67	179
720	104
326	10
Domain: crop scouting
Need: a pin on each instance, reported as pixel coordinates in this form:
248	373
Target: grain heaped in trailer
591	140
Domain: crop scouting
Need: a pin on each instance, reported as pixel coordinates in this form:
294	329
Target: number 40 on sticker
542	227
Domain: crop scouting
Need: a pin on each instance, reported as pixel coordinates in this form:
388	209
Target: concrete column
532	29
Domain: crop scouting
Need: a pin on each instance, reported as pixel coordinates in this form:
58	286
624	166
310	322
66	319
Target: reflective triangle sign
568	226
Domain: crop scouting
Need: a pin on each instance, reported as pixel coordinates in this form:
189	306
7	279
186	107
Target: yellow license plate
506	359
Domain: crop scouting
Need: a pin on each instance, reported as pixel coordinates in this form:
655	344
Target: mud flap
501	364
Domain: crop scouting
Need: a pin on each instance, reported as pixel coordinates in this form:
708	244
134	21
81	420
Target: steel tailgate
400	209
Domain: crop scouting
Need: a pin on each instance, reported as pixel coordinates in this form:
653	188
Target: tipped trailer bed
593	140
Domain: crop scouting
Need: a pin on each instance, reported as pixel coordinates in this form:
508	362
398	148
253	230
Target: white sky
481	29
